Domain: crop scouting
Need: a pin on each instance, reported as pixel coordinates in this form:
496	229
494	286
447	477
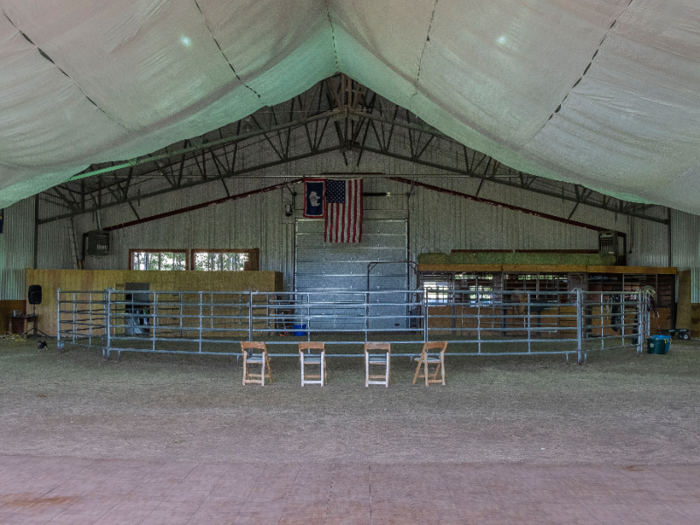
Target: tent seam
335	44
422	52
588	67
206	23
80	88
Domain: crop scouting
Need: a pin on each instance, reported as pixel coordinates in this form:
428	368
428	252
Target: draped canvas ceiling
604	93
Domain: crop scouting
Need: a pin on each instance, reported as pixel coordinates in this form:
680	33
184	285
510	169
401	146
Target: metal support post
579	325
250	315
640	323
425	317
108	306
75	317
201	301
647	331
529	324
623	320
602	323
59	343
179	298
478	320
153	320
90	320
367	309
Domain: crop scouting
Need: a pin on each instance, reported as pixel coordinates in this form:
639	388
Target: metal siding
685	231
16	249
649	244
441	223
341	267
685	234
437	222
254	222
54	250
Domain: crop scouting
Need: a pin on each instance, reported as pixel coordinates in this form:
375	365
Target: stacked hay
545	259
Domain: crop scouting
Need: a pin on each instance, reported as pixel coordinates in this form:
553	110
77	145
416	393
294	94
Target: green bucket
658	344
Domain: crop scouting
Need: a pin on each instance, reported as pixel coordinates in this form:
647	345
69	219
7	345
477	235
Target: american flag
344	211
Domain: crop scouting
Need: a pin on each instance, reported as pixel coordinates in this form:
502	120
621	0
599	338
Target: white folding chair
378	354
316	356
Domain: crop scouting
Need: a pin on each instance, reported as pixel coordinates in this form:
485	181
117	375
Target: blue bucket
298	330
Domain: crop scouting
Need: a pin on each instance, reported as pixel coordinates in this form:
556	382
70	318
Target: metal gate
337	268
214	323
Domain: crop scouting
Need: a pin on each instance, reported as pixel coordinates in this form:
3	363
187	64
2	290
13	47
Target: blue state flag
314	198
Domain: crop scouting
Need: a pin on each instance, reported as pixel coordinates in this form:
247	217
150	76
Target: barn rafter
335	115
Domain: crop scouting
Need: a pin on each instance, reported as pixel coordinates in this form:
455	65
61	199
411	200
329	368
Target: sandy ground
619	409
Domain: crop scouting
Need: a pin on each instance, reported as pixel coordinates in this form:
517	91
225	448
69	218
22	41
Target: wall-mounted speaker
34	294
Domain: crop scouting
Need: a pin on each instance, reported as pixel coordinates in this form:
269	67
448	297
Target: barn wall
16	249
685	232
437	222
255	222
54	246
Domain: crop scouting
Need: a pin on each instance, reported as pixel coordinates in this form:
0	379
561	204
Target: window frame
151	250
251	265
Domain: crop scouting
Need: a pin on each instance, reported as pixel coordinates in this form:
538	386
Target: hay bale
433	258
531	259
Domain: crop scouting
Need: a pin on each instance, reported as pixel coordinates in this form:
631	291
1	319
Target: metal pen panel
213	323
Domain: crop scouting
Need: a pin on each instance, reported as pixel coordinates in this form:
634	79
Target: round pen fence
492	324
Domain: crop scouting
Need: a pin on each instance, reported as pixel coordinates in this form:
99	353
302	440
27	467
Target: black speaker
34	294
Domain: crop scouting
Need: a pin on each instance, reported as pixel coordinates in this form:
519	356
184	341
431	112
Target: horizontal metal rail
184	322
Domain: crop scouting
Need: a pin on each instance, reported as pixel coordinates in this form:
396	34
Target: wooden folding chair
381	358
431	358
255	353
315	355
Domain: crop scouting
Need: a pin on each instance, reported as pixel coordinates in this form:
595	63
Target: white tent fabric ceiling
604	93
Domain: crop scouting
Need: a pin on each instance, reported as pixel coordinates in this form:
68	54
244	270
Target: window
437	292
212	261
200	260
158	260
225	260
474	288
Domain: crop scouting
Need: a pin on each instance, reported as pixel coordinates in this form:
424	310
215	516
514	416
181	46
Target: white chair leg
323	370
386	378
366	370
262	369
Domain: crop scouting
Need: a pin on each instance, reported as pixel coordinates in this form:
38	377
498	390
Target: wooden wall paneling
98	280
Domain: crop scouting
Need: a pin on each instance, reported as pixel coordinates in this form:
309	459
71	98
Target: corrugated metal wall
437	222
685	232
54	246
16	249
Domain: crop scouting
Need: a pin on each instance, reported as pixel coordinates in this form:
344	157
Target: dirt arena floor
618	409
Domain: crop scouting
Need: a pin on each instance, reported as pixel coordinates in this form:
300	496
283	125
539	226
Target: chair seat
255	359
427	358
312	359
377	359
431	359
